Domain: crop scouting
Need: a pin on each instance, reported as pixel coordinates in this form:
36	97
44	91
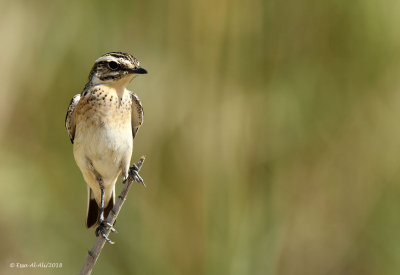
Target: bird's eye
113	65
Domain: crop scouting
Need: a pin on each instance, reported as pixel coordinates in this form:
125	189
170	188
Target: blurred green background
271	134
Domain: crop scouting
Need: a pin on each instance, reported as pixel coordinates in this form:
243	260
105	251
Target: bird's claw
133	172
100	230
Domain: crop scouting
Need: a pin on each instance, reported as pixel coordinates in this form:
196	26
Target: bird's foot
101	230
134	173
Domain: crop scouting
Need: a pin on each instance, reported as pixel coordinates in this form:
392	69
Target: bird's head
115	67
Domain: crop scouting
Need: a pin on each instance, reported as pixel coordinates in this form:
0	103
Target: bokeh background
271	134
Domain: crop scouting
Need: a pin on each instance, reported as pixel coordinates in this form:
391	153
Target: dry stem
98	245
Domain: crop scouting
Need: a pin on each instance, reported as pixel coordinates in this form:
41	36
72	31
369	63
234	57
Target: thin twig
98	245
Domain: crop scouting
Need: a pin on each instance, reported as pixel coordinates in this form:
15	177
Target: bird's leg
103	223
101	219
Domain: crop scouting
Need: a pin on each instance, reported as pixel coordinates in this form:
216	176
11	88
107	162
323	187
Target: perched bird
102	122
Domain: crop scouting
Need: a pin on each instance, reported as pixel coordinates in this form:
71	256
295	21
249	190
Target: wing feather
137	114
70	117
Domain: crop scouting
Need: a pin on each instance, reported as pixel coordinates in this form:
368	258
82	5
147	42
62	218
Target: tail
93	210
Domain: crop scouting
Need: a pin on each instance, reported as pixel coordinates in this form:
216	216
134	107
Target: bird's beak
138	70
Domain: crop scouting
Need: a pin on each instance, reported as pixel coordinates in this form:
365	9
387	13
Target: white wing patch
70	117
137	114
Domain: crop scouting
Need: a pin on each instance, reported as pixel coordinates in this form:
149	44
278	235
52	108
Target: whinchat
102	122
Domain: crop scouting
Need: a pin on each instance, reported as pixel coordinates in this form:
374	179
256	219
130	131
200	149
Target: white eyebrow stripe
119	60
107	58
125	62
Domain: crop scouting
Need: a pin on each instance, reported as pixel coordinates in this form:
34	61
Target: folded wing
137	114
70	117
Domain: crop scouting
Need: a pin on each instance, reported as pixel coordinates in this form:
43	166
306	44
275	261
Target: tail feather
93	212
109	207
